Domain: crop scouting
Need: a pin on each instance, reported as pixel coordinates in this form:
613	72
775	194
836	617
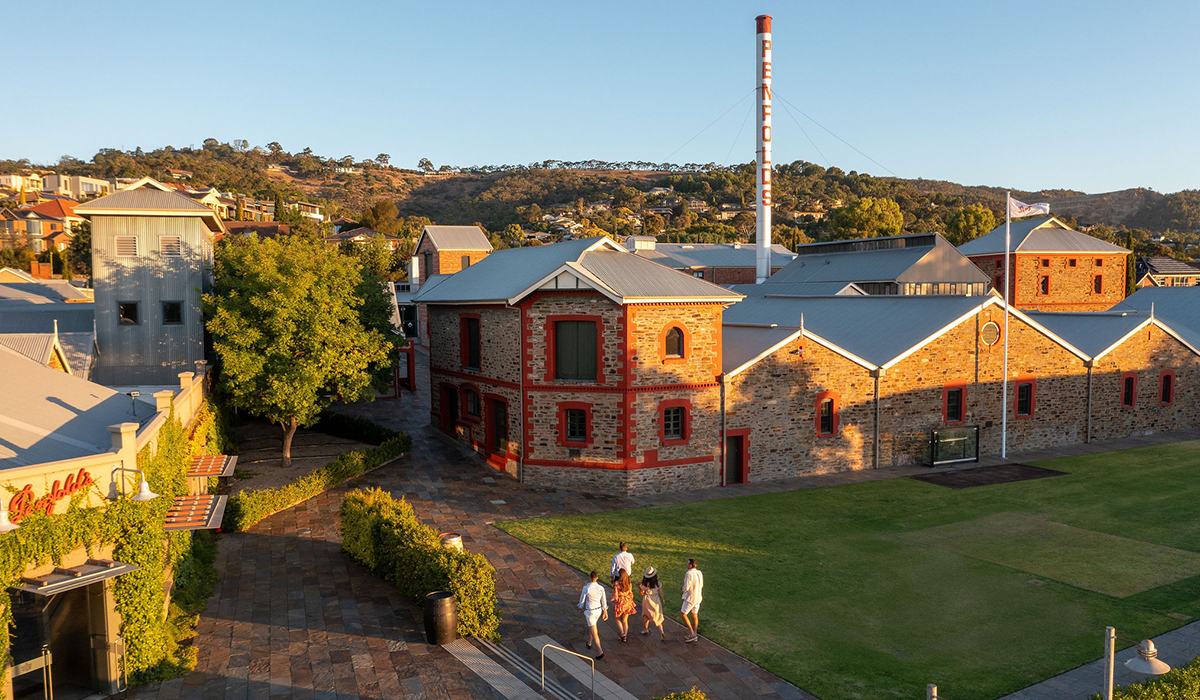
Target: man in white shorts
693	586
593	602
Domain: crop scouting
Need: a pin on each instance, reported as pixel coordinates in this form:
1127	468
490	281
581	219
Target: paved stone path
292	618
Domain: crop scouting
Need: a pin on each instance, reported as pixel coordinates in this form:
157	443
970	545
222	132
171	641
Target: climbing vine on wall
135	531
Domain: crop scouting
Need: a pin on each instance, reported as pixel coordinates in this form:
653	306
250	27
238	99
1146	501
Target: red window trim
687	421
489	427
1121	391
1046	293
549	332
463	355
836	416
562	423
1044	263
1032	382
662	344
1174	386
1094	278
946	403
1099	262
462	403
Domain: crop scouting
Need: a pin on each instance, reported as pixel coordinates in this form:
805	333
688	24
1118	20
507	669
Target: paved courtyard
292	618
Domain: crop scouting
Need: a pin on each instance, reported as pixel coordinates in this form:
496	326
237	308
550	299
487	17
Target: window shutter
126	246
170	246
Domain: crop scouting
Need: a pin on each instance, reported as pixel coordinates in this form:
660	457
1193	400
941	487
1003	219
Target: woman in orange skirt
623	605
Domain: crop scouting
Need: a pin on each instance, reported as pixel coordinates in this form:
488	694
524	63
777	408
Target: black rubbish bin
441	617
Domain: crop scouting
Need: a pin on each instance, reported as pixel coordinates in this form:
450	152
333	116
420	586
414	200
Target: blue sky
1093	96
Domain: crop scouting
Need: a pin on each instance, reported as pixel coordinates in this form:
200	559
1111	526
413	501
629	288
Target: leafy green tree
383	159
512	236
275	148
286	324
383	216
79	252
425	164
970	223
532	214
652	225
743	223
868	217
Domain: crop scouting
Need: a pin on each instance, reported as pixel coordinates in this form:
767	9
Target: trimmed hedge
353	428
249	507
1181	683
385	535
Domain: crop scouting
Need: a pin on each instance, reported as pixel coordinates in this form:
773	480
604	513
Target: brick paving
292	618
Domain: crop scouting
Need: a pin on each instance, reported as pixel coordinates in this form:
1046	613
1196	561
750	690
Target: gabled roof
914	259
684	255
1097	333
47	415
58	208
800	289
1179	307
12	274
1043	235
42	291
149	201
39	347
507	276
456	238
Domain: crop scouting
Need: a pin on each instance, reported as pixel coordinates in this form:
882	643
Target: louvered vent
170	246
126	246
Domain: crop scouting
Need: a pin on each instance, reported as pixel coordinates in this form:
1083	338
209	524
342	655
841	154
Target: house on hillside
914	264
361	235
151	261
179	174
76	187
1165	272
307	210
1053	267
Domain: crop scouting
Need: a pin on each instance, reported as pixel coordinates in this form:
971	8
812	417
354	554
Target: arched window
471	403
674	342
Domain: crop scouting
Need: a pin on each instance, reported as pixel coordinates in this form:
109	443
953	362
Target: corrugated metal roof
53	290
47	415
80	349
1169	266
457	237
633	277
1090	333
875	328
1045	235
25	317
36	346
142	199
917	265
1177	307
740	345
800	289
506	274
679	255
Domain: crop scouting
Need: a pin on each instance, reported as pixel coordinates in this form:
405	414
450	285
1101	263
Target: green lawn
874	590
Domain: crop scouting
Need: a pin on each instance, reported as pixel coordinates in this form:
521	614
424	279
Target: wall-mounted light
144	493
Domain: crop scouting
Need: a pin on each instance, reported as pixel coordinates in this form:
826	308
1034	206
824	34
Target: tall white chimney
762	236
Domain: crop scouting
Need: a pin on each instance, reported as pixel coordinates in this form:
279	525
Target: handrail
47	673
553	646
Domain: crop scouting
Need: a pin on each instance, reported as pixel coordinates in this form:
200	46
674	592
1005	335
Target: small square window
1071	262
576	425
170	246
172	313
698	273
466	261
127	313
1099	262
1045	262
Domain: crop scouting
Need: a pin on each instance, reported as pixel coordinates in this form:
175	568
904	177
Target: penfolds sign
23	502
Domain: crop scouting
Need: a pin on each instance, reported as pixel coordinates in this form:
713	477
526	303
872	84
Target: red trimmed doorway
737	457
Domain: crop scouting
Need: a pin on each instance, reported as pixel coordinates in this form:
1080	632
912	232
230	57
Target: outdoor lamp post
144	493
1146	662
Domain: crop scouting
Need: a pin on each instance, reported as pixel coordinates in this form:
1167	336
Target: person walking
623	605
621	560
593	602
693	585
652	610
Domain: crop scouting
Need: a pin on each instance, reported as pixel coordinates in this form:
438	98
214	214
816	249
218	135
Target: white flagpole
1004	383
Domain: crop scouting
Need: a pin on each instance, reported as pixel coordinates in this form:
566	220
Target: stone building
444	250
1052	266
686	384
580	364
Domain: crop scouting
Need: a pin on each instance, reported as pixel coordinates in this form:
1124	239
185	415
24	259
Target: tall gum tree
284	316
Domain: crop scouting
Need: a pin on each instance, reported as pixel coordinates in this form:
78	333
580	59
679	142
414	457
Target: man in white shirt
593	602
693	586
621	560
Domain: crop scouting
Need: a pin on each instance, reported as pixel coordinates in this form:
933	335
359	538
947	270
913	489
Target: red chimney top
764	24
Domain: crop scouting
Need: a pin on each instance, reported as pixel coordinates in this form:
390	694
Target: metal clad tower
762	235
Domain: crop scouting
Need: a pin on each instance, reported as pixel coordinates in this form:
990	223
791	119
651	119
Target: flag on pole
1017	209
